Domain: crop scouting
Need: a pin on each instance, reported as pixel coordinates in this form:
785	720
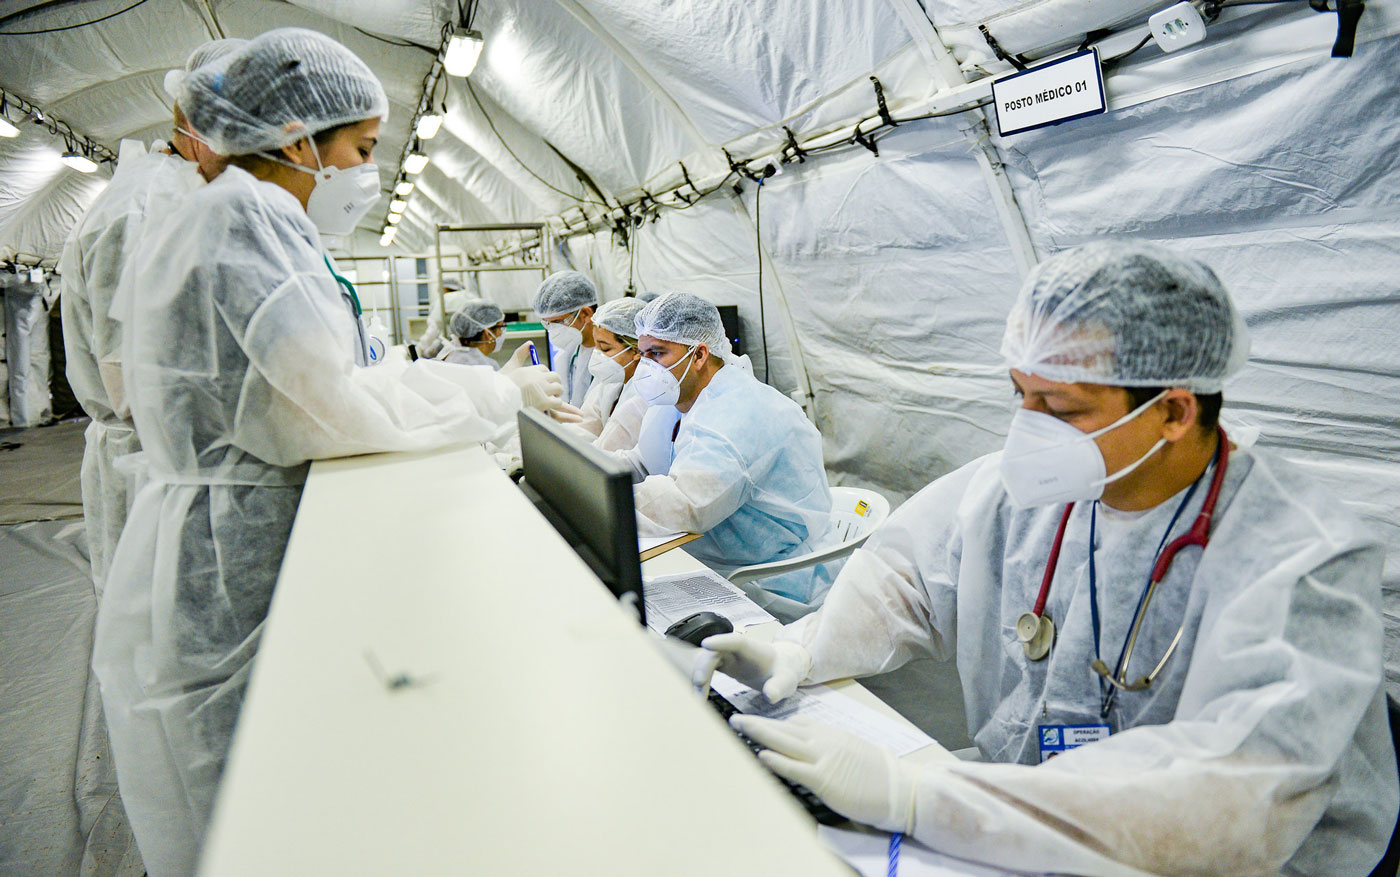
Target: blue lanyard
1106	691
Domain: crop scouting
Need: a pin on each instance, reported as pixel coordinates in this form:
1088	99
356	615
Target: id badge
1057	739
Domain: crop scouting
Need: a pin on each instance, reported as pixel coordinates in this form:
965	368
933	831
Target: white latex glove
859	780
774	668
519	359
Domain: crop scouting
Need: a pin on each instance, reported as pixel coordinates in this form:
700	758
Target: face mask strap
315	153
1129	417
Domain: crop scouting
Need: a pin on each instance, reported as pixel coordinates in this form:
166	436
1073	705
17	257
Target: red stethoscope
1036	631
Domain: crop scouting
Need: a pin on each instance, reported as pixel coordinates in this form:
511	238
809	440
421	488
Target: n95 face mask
657	385
1048	461
342	197
605	368
563	336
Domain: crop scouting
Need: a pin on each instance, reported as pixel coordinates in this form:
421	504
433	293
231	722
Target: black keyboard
805	796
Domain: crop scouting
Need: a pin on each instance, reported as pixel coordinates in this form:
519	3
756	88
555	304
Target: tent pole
947	74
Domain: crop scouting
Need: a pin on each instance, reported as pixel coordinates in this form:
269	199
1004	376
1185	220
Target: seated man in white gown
724	455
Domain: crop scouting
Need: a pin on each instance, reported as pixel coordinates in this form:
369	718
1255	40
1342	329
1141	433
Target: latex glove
519	359
695	663
774	668
859	780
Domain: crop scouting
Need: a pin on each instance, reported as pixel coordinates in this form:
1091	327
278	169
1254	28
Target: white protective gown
598	404
90	268
745	470
239	373
459	355
571	364
1264	743
624	425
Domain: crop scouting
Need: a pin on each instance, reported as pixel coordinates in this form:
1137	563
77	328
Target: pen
534	357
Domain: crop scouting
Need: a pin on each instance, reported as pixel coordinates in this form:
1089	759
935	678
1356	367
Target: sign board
1067	88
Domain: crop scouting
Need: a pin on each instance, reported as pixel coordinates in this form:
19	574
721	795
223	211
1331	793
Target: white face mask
563	336
341	197
658	385
1049	461
605	367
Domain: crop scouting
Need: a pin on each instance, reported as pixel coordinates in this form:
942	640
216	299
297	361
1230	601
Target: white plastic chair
855	513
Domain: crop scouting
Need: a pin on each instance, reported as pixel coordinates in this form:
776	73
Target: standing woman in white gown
239	366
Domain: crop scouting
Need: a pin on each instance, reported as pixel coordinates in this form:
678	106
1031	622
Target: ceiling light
393	218
79	162
415	163
463	50
387	238
428	126
397	205
403	188
7	129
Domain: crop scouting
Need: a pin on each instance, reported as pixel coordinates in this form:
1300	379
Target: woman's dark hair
254	160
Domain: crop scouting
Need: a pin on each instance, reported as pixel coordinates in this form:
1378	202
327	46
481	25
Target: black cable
758	251
487	116
401	44
27	33
1116	58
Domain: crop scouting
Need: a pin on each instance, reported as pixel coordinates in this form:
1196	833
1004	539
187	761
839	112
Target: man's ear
1183	413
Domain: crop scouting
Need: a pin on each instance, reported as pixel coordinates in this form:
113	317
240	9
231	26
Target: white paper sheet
867	850
820	703
671	598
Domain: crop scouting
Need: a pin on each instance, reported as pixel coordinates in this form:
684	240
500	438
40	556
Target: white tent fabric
885	279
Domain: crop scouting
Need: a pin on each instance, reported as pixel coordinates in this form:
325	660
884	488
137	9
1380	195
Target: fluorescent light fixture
78	162
415	163
397	205
463	51
404	188
428	126
7	129
387	238
393	218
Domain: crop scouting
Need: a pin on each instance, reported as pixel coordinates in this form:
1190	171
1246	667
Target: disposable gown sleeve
708	481
895	598
623	428
313	402
92	266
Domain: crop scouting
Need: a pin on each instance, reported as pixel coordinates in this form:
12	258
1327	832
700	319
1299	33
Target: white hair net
620	317
452	284
1128	314
205	54
563	292
474	317
685	319
285	85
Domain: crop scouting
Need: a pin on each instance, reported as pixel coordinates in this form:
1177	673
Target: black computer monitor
729	316
586	495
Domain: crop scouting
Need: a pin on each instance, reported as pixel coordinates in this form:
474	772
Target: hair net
684	319
474	317
1127	314
563	292
284	85
620	317
452	285
205	54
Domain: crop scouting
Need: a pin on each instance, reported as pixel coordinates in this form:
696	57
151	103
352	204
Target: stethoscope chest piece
1036	633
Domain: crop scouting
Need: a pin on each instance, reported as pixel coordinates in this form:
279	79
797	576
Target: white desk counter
547	735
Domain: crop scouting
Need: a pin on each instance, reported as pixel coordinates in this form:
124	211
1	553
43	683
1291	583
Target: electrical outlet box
1177	27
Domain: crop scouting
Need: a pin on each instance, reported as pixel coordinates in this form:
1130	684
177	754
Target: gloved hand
859	780
696	664
541	388
774	668
519	359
